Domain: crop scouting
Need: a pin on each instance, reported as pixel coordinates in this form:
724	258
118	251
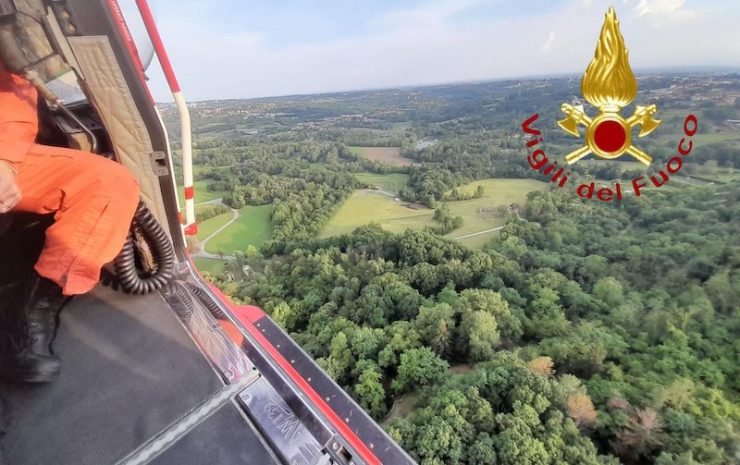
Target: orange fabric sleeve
18	116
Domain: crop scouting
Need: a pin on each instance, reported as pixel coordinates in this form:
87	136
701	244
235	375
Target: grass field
392	182
202	194
252	228
210	265
365	207
388	155
207	227
497	192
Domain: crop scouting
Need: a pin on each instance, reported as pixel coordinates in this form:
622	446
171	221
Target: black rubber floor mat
223	439
130	370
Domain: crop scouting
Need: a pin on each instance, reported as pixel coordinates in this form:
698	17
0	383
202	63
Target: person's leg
93	201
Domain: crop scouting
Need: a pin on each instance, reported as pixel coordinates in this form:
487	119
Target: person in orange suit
93	200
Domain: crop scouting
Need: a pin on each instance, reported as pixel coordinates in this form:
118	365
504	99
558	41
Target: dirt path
485	231
202	252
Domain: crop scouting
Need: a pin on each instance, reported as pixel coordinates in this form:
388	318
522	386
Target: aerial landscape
478	312
369	232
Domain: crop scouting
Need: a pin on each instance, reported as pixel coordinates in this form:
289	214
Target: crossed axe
575	116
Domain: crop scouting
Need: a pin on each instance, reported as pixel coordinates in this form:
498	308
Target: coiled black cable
131	279
208	301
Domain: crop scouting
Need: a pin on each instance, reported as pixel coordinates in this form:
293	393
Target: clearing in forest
211	225
387	155
482	214
252	228
391	182
479	215
368	206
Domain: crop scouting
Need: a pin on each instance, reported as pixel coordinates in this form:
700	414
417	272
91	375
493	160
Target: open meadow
391	182
368	206
252	228
211	225
479	215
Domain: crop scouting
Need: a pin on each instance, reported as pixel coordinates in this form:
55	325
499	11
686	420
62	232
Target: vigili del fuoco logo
609	85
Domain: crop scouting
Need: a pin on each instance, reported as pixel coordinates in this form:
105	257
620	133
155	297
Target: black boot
27	330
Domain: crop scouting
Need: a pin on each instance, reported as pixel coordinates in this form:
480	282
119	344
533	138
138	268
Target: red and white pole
191	228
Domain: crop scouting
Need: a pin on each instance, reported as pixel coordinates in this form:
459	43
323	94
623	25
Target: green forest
582	332
595	334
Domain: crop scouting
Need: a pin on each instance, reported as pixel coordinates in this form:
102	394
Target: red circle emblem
610	136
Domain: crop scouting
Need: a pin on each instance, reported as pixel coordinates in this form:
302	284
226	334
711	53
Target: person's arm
18	128
18	118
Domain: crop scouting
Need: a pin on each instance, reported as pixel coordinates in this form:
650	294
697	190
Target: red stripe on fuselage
164	60
247	316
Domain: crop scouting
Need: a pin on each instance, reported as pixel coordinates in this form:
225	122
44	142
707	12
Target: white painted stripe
187	153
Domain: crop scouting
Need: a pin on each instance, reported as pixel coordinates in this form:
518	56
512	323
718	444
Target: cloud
664	9
443	41
430	15
547	44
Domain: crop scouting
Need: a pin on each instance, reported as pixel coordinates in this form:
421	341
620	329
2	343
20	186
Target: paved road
486	231
202	252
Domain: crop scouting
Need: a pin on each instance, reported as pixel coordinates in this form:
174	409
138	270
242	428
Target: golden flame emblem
608	81
609	85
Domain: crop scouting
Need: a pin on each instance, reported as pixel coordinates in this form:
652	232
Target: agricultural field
366	206
392	182
252	228
387	155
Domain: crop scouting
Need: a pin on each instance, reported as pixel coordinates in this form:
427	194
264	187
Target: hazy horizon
638	73
229	50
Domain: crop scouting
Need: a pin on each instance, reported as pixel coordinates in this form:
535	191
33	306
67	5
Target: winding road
202	252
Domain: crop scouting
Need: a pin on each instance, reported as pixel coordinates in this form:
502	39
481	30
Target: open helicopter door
176	376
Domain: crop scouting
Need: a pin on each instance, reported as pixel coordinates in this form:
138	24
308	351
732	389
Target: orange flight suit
93	199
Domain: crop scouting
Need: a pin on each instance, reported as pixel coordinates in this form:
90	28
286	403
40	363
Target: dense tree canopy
594	331
584	333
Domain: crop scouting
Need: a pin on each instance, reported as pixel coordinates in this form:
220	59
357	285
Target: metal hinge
159	163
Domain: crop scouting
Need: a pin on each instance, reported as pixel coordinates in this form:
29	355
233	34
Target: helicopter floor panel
130	371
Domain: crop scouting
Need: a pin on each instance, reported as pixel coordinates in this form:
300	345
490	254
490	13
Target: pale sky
240	49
